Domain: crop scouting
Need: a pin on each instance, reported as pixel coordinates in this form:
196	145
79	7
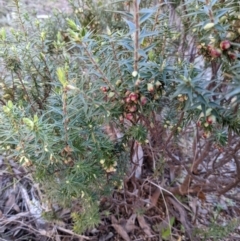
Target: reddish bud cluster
209	121
224	47
207	125
131	100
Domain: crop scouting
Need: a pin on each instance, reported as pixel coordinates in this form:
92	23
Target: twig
65	121
136	36
201	158
168	192
229	187
72	233
3	102
235	183
20	19
167	212
183	217
156	19
174	129
25	90
105	79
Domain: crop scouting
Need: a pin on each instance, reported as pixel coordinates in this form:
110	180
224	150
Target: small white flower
134	73
102	161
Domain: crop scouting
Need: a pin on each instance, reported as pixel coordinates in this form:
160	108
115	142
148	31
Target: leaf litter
138	211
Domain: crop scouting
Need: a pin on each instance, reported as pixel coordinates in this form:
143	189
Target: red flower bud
214	52
143	100
127	93
128	100
150	87
129	116
121	119
232	55
225	44
132	108
133	96
104	89
138	82
211	119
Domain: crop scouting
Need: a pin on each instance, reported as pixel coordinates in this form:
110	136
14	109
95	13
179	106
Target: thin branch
2	101
65	121
136	36
202	157
229	187
105	79
72	233
235	183
25	90
20	19
174	129
168	192
156	19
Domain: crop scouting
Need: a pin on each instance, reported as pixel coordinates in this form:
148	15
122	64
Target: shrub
61	87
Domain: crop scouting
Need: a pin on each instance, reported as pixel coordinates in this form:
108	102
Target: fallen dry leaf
183	216
143	224
124	227
121	231
201	195
11	203
106	237
194	206
154	197
130	225
113	220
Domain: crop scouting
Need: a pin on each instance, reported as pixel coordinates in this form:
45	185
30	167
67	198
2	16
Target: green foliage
217	232
61	86
88	217
166	233
98	16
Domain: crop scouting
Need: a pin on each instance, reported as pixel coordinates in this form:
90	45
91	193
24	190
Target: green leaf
29	123
181	89
235	91
35	119
62	76
3	34
145	17
6	109
131	26
166	233
72	24
10	104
